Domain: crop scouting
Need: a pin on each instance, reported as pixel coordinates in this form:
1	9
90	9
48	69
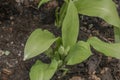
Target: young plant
67	50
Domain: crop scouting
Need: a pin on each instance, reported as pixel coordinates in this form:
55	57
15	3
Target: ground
18	20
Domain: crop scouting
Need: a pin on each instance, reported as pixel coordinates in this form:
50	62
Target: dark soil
18	20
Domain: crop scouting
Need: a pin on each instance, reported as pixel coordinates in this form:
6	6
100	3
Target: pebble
1	52
11	17
12	63
104	70
91	25
7	53
94	77
12	23
76	78
11	42
1	36
6	71
22	44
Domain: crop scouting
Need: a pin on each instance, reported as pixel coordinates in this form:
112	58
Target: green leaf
49	52
37	71
70	26
105	9
42	2
66	1
42	71
58	43
117	34
51	70
38	42
108	49
60	17
78	53
61	50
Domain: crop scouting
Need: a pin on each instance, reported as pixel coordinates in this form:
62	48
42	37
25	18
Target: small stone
95	32
12	63
83	28
7	71
104	70
12	23
7	53
19	54
12	42
76	78
11	17
90	26
1	52
1	36
94	77
22	44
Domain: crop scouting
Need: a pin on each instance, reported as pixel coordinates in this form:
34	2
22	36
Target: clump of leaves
69	51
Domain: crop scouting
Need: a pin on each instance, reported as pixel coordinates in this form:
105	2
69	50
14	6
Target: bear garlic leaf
108	49
42	2
105	9
99	8
51	70
70	26
78	53
43	71
38	42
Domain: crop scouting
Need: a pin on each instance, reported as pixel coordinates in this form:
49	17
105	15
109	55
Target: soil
19	19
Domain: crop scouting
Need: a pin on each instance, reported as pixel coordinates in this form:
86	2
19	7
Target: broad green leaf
105	9
38	42
42	2
70	26
78	53
108	49
37	71
99	8
42	71
51	70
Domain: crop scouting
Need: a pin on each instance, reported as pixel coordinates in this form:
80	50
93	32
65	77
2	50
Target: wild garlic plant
68	50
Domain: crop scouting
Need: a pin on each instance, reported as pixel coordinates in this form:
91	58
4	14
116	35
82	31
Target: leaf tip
25	58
